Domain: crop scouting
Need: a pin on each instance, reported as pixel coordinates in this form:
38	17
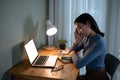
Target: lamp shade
51	30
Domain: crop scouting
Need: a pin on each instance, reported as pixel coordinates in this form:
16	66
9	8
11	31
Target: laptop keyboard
42	60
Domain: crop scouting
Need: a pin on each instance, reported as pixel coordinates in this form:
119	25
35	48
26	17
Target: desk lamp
50	31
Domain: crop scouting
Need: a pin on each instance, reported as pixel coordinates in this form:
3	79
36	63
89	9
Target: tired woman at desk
90	39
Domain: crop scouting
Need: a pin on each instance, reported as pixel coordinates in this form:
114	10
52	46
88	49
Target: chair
111	64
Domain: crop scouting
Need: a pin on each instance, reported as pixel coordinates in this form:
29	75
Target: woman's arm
93	52
78	42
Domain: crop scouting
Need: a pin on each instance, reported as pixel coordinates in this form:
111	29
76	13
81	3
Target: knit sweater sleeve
77	48
92	53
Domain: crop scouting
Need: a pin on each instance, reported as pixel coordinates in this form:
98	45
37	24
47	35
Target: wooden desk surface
24	70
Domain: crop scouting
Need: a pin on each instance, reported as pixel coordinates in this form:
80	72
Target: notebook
36	59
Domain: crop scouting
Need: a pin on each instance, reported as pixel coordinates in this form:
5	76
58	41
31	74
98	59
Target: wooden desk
24	70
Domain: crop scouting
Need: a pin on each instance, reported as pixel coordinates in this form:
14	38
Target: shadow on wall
28	28
17	52
31	31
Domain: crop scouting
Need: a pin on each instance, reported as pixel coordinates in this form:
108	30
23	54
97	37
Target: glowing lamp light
50	31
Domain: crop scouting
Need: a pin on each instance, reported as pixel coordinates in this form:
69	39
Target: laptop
38	60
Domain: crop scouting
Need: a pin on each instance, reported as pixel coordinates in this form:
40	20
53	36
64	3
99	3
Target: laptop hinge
35	59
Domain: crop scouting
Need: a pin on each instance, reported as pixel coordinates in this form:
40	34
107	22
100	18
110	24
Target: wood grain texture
24	70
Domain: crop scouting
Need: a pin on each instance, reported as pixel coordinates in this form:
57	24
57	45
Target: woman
90	39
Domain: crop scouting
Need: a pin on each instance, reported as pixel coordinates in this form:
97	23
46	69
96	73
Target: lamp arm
49	41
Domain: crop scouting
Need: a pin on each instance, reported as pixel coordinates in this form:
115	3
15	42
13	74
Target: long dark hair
83	18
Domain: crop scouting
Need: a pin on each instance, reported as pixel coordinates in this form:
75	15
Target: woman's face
82	29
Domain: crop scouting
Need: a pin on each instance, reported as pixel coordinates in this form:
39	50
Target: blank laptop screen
31	51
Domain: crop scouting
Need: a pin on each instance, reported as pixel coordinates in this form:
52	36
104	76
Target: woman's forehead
79	24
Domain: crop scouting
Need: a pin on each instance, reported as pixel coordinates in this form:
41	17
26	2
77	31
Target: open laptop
36	59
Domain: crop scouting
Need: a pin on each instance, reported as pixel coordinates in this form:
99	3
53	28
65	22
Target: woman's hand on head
77	37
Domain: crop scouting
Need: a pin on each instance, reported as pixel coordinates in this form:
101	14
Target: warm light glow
51	31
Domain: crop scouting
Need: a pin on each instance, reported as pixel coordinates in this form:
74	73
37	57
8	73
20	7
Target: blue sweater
94	53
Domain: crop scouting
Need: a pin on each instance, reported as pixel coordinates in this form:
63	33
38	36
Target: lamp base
49	47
